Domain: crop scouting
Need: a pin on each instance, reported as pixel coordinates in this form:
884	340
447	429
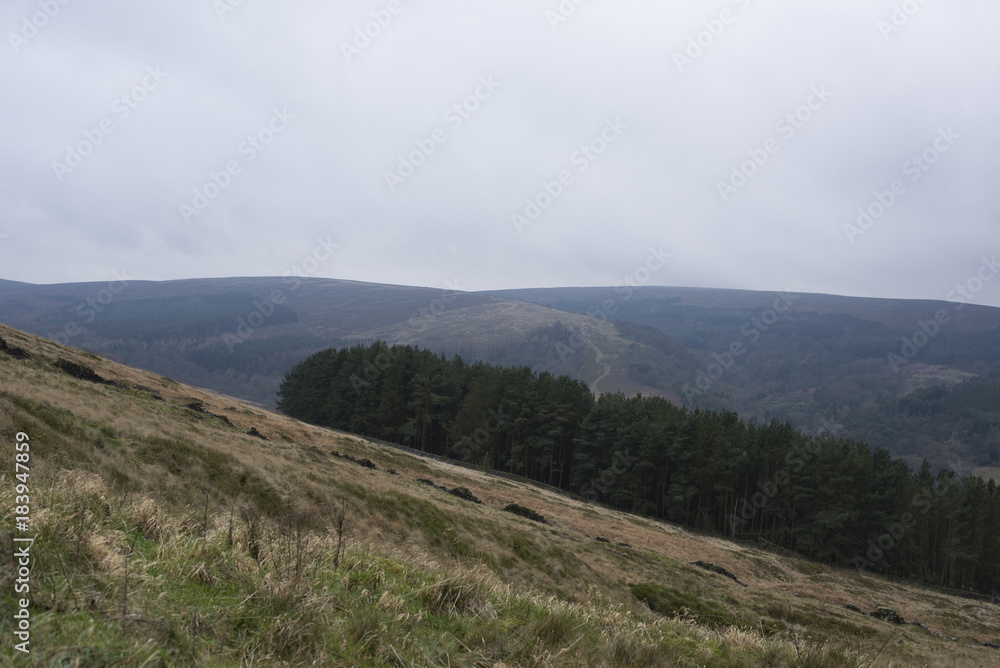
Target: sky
836	146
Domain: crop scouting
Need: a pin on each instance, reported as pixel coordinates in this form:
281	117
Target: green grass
192	597
205	601
525	549
670	602
157	547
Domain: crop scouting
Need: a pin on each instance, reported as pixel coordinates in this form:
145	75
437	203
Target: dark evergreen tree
831	499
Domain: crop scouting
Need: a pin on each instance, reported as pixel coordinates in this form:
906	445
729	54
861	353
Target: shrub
888	615
15	352
464	493
524	512
78	371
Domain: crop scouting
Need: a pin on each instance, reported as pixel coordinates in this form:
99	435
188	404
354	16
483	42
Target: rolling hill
822	362
825	363
176	526
242	335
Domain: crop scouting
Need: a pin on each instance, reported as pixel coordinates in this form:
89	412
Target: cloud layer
504	145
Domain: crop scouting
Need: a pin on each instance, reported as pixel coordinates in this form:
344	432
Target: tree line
920	421
831	499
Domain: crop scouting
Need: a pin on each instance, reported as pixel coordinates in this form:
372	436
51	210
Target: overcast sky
304	119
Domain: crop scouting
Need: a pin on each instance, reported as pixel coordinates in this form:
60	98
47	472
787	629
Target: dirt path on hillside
607	370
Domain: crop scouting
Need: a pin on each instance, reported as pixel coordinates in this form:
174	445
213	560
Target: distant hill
646	300
241	335
821	362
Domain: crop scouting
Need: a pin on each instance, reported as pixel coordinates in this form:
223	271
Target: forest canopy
831	499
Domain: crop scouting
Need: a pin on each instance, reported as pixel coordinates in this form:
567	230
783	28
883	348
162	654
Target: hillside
168	535
822	362
892	312
823	497
241	335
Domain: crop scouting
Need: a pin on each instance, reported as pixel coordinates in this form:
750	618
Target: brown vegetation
287	502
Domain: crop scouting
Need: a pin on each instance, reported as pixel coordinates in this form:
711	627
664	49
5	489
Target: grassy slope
167	537
602	361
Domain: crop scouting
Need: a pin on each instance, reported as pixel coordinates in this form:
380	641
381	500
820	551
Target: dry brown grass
414	522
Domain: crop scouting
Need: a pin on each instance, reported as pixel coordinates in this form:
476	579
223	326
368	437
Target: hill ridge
826	360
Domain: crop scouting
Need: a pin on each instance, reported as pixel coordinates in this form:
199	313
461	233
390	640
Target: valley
826	364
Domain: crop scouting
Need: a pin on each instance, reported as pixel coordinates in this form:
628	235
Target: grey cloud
657	184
